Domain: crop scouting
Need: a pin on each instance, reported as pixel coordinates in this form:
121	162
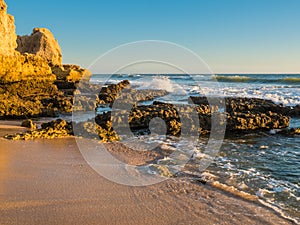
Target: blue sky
231	36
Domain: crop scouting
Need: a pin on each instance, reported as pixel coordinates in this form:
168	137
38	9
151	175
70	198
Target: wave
232	78
256	79
291	80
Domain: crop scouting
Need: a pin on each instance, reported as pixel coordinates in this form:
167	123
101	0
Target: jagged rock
256	121
109	93
54	129
243	115
295	111
41	43
70	73
290	132
244	105
32	98
29	124
24	67
8	35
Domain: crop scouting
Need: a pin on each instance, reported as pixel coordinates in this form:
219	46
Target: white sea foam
161	83
278	210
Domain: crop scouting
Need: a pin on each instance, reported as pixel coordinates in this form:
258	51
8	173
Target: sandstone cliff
17	67
33	81
41	43
7	31
36	56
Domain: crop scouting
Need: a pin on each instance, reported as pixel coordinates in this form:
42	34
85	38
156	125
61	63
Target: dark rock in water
108	94
242	114
295	111
290	132
244	105
126	95
168	115
54	129
251	121
29	124
251	113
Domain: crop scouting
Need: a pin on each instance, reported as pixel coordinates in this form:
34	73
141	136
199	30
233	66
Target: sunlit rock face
41	43
8	35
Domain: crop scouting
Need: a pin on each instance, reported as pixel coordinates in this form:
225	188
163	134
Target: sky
231	36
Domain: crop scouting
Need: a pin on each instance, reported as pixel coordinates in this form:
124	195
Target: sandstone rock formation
19	67
41	43
243	114
7	31
55	129
33	81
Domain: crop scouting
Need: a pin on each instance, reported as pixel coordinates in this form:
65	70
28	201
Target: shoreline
32	164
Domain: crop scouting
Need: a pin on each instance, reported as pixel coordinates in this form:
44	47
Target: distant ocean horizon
280	88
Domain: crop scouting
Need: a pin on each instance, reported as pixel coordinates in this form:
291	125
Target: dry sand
48	182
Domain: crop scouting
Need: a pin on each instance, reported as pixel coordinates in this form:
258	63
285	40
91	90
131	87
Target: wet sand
48	182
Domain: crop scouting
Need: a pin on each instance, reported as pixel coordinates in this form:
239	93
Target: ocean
262	164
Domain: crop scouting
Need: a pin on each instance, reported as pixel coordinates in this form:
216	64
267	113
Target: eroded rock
41	43
29	124
8	35
55	129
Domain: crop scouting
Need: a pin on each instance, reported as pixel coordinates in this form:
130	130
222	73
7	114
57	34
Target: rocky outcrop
55	129
41	43
24	67
8	35
290	132
243	114
32	98
108	94
33	81
294	111
122	90
29	124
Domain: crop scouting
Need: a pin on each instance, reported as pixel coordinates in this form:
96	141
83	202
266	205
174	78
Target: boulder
70	73
29	124
8	35
41	43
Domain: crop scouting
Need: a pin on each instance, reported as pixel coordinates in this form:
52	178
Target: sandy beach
48	182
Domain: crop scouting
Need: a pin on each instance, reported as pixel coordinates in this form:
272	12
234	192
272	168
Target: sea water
263	164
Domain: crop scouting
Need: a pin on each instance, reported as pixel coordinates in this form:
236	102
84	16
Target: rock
256	121
244	105
70	73
109	93
162	170
33	81
55	129
8	35
290	132
32	98
24	67
92	130
29	124
41	43
295	111
243	115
